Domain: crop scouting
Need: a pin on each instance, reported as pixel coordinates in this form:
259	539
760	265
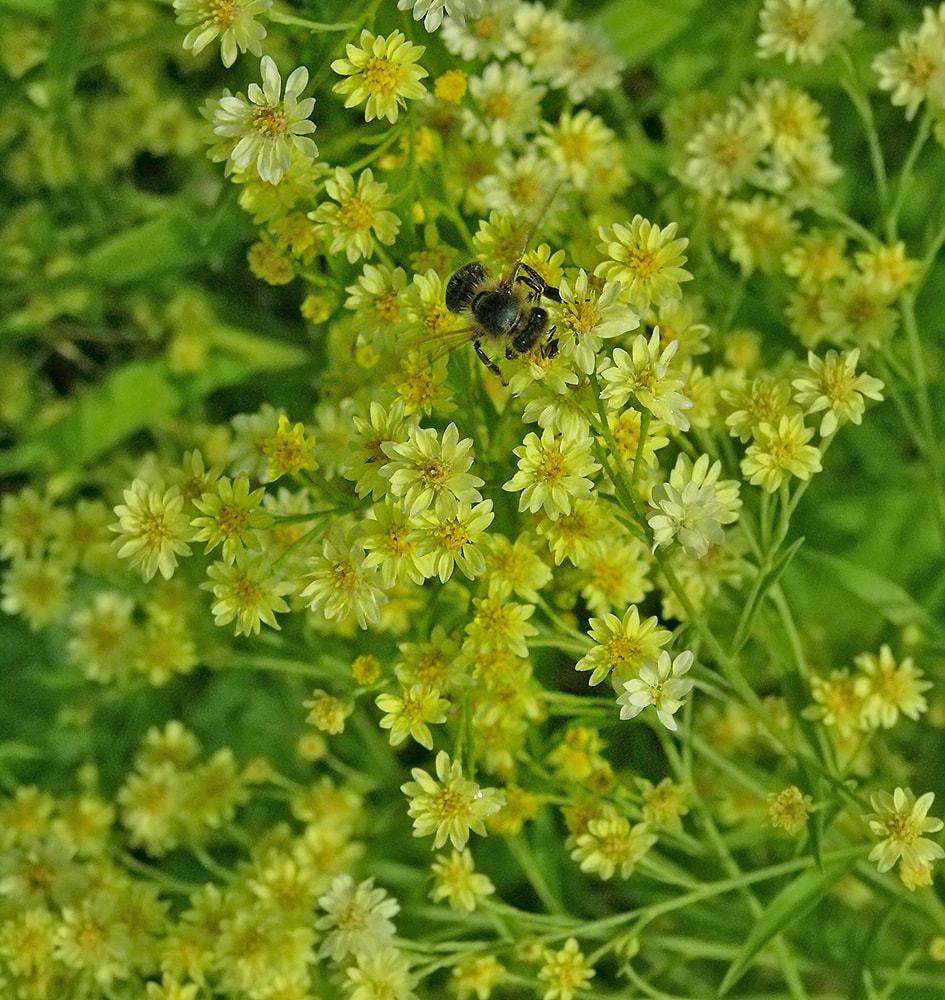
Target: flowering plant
448	535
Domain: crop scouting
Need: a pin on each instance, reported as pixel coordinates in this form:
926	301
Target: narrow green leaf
257	350
787	907
31	8
757	595
65	46
875	590
166	244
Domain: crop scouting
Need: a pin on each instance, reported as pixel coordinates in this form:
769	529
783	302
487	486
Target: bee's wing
435	346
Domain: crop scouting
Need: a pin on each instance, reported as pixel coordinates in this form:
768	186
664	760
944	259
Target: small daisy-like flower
357	215
617	576
692	507
518	183
660	685
152	528
381	74
366	456
37	589
499	623
265	127
610	845
622	645
289	450
553	472
516	568
456	880
788	809
804	30
326	712
232	515
900	820
914	70
781	451
588	318
452	541
889	689
377	302
888	265
449	806
233	21
765	400
412	713
724	151
482	36
427	471
837	702
508	102
566	971
645	259
341	584
357	918
383	972
759	232
645	374
431	12
663	804
391	541
832	385
246	589
581	146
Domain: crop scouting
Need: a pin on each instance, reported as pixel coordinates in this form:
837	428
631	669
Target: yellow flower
380	73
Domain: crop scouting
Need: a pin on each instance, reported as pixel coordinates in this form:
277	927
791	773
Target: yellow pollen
432	668
434	474
582	316
642	262
574	146
154	529
901	828
247	592
382	76
398	540
497	106
232	520
799	25
485	27
551	468
270	121
449	805
223	11
387	308
355	215
345	577
620	649
451	536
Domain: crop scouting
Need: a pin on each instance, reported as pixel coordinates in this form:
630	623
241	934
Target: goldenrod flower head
759	232
610	845
585	151
391	541
477	977
789	809
247	590
646	259
589	317
449	806
515	568
645	374
914	70
566	972
341	585
507	104
805	31
263	129
357	918
427	471
553	472
888	266
622	645
660	685
232	516
618	575
832	385
664	804
381	74
837	702
289	450
451	86
380	973
900	820
453	541
763	401
357	215
499	624
152	528
233	21
412	713
456	880
781	451
889	689
693	505
724	152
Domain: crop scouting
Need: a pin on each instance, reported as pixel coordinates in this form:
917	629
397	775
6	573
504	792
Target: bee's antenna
540	214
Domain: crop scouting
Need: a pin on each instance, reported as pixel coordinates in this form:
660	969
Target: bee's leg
488	362
527	337
531	279
550	347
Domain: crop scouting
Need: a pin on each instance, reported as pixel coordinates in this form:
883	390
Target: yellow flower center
451	536
398	542
433	474
497	106
551	468
642	262
799	25
345	577
247	592
382	76
270	121
355	215
223	12
232	519
620	649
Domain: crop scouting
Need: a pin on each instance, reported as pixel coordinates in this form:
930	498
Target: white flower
234	21
431	11
692	507
266	127
658	685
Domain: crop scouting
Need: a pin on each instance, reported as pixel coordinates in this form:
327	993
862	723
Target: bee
506	310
